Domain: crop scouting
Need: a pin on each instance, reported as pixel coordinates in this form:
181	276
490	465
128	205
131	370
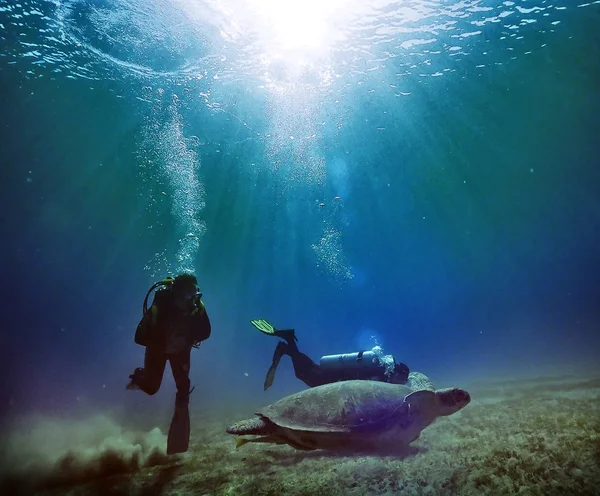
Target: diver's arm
201	328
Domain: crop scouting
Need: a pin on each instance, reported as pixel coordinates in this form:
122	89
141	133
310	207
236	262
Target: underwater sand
540	436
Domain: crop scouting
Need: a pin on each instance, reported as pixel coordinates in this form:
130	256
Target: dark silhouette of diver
175	323
365	365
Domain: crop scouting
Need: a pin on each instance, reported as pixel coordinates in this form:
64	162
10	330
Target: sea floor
537	436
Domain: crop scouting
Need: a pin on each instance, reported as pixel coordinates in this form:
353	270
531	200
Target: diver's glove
196	304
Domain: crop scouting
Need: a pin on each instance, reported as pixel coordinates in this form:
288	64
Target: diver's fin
263	326
179	432
280	350
270	377
266	328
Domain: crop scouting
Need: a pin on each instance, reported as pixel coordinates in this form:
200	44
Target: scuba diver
175	323
365	365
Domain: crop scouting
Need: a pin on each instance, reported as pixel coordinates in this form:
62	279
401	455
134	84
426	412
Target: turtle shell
347	406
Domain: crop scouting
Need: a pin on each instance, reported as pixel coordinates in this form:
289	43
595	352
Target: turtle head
451	400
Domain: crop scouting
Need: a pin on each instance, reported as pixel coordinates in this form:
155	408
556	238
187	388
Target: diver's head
400	374
185	290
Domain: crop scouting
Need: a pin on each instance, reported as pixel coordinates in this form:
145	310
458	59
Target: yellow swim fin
263	326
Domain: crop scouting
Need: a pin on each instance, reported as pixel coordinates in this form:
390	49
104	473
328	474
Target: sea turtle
352	414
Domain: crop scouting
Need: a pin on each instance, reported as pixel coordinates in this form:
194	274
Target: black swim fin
270	376
179	432
280	350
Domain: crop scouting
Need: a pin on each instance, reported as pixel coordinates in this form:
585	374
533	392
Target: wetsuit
169	333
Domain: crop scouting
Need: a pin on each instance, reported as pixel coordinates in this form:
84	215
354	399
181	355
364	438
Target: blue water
419	175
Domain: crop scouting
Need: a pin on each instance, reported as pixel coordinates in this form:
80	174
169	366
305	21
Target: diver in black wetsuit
333	368
175	323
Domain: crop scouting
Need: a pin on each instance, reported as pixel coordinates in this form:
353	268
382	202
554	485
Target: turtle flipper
271	438
240	441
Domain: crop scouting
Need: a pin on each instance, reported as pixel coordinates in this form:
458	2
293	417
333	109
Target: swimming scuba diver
175	323
365	365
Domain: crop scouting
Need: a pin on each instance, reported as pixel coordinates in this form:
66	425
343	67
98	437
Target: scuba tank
359	360
148	321
143	328
167	282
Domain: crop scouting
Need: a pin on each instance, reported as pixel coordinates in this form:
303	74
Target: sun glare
305	26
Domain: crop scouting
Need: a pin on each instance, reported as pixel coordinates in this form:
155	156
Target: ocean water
422	175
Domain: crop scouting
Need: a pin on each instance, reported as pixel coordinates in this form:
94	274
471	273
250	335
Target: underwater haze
419	175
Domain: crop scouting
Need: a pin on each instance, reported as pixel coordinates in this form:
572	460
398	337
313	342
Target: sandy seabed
536	436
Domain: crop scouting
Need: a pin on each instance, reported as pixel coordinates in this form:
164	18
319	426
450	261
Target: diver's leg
306	369
178	439
288	335
180	367
149	378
